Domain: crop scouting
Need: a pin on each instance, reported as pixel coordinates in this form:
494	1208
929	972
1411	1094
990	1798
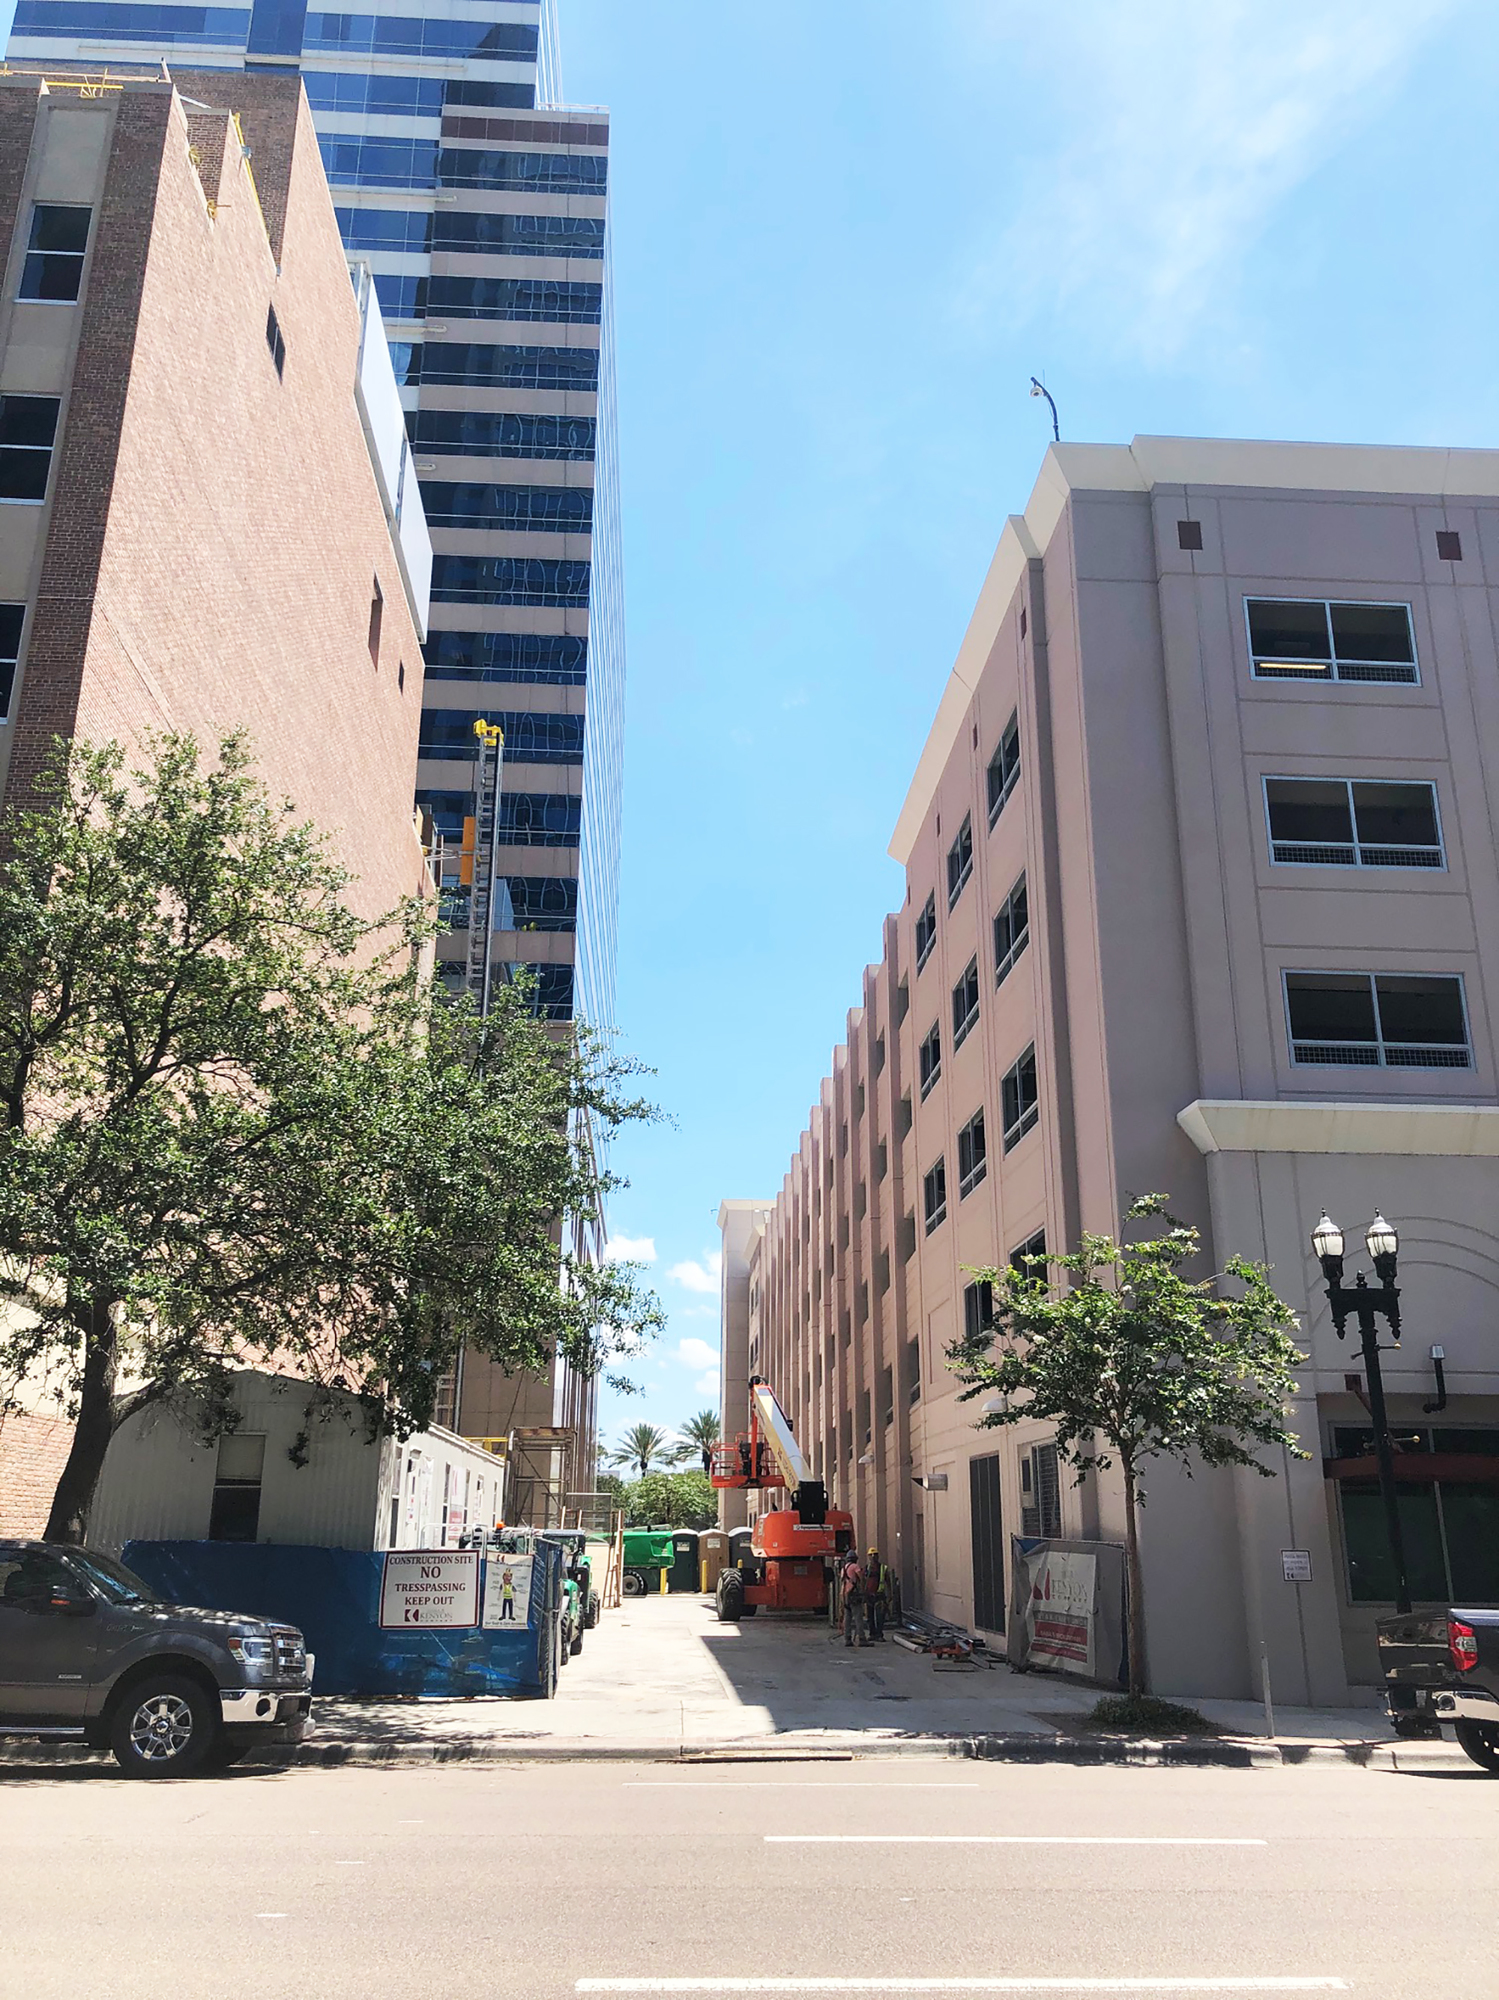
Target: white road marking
799	1785
1078	1985
276	1916
1002	1840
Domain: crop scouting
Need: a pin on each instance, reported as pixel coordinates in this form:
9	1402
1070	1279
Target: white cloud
1182	127
703	1277
708	1385
698	1354
631	1250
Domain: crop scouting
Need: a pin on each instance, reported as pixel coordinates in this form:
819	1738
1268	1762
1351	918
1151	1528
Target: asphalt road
545	1881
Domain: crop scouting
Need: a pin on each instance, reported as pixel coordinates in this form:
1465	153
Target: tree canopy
1133	1361
241	1129
696	1435
642	1447
671	1500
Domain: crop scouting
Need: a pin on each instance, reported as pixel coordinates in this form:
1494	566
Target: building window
911	1369
1040	1493
965	1003
1451	1524
1449	545
1389	1020
960	860
53	270
1004	767
972	1156
1023	1253
905	1116
902	1001
881	1160
235	1514
1018	1100
377	617
978	1308
1314	638
274	340
1353	823
1012	932
879	1056
930	1058
12	618
28	430
926	932
934	1195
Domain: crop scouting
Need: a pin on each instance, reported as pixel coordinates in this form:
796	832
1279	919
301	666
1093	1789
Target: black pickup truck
1443	1667
89	1652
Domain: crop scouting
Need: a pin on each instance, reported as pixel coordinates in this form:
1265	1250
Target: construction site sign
432	1588
507	1592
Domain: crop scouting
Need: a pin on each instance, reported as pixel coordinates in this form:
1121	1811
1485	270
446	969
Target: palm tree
696	1435
642	1446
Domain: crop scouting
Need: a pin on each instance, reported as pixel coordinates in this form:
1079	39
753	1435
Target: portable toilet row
698	1558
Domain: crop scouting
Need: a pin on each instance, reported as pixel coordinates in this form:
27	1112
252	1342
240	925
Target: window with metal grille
1378	1019
972	1156
1012	932
1040	1493
965	1003
929	1057
926	931
988	1543
53	271
960	860
1018	1100
1004	767
1317	638
1353	823
934	1195
978	1308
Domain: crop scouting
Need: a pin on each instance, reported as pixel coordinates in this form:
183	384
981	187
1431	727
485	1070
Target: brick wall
32	1452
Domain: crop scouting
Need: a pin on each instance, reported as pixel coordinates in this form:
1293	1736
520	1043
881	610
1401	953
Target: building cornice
1230	1125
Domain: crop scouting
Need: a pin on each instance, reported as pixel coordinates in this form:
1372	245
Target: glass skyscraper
480	205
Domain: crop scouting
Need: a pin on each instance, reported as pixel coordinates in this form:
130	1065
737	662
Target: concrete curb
1218	1752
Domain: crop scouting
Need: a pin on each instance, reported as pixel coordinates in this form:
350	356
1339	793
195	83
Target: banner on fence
1067	1607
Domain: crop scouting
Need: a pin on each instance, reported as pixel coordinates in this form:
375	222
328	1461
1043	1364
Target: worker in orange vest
852	1580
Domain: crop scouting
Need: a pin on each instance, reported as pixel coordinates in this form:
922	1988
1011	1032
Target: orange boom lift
792	1549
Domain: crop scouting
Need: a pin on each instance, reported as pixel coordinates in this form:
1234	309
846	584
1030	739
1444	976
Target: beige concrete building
1202	897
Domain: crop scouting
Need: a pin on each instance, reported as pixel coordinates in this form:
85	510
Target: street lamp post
1366	1305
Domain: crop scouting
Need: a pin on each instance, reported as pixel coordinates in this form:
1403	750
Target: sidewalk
661	1678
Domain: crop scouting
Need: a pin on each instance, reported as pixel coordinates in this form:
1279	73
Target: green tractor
648	1551
582	1605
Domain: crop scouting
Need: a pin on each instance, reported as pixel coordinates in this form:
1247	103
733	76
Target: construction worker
852	1583
876	1578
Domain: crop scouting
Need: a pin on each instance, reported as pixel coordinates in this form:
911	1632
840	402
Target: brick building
1203	898
205	519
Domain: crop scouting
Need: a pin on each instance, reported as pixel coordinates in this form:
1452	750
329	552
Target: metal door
46	1655
988	1544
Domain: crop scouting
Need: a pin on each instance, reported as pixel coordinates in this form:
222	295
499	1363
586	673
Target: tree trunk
68	1521
1134	1588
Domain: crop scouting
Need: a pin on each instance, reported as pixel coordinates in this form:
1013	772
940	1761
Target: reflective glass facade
442	137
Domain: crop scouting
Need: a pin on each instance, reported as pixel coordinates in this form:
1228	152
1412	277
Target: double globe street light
1367	1305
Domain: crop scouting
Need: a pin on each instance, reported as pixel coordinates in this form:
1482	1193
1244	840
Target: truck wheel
595	1609
1481	1742
577	1641
634	1583
163	1727
730	1596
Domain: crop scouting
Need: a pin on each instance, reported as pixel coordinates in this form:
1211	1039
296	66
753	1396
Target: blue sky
844	237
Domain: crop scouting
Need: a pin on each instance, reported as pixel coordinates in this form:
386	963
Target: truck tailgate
1413	1649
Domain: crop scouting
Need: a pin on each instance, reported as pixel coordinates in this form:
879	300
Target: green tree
1133	1362
671	1500
642	1446
240	1129
696	1435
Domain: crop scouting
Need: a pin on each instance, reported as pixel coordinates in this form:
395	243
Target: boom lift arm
743	1463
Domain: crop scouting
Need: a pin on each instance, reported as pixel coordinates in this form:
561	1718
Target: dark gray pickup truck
89	1652
1443	1667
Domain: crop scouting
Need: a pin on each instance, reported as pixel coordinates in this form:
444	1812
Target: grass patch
1145	1714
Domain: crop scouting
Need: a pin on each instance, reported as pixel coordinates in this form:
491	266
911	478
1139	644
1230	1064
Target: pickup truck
1443	1667
89	1653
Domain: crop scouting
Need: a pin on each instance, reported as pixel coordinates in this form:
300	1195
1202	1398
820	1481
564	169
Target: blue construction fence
333	1597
